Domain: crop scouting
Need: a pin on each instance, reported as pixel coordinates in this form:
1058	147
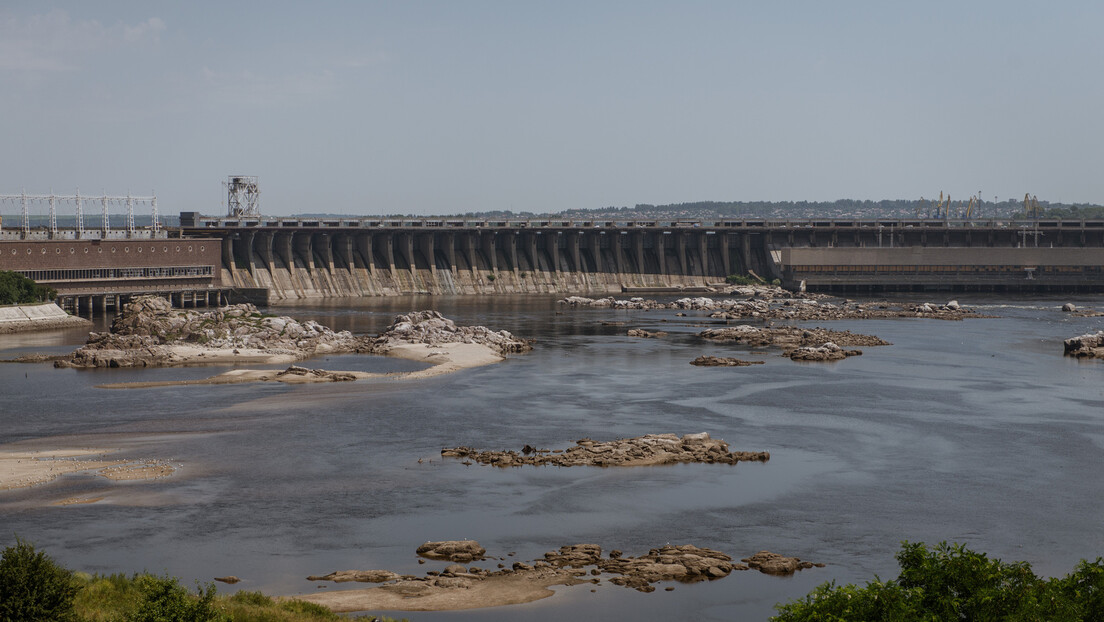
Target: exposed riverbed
978	431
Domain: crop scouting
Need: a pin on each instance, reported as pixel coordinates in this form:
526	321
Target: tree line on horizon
841	208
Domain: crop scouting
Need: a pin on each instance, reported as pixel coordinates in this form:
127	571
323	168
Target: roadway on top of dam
192	221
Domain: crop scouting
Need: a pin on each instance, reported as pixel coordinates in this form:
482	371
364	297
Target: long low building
917	268
98	274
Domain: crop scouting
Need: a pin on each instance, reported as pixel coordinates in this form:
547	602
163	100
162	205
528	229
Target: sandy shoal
445	358
497	591
21	468
184	354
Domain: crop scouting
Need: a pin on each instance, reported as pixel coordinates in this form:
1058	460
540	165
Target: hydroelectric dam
272	259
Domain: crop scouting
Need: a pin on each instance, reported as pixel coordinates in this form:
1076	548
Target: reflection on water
977	431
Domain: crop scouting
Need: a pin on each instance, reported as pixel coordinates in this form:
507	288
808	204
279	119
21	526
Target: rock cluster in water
1069	307
790	336
827	352
452	550
431	328
684	563
707	360
148	331
1086	346
296	372
650	449
773	563
779	304
640	332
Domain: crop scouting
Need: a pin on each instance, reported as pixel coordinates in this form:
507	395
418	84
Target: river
976	431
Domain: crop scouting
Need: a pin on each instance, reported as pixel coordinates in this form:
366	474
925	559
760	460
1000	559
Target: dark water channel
977	431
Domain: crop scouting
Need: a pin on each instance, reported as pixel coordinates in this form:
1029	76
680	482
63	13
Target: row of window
946	269
99	249
99	274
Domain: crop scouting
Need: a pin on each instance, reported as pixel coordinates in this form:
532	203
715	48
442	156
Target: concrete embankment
21	318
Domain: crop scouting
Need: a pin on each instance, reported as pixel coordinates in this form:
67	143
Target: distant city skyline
445	107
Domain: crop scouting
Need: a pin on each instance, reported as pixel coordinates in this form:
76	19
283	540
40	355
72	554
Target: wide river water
978	431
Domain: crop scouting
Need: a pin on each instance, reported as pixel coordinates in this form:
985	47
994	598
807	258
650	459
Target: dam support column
703	253
680	248
661	253
552	246
467	248
726	258
745	251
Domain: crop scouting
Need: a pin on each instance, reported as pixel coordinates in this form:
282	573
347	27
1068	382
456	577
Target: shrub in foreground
34	587
951	582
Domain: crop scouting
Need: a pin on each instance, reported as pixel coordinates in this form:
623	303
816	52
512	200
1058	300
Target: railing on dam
192	220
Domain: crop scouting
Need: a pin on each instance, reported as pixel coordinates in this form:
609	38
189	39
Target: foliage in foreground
34	588
16	289
951	582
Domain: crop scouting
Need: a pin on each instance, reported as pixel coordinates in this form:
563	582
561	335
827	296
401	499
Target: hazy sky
452	106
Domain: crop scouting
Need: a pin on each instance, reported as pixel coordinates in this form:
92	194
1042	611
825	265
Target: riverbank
26	318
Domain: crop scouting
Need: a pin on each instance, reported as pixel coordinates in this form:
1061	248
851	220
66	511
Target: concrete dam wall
303	264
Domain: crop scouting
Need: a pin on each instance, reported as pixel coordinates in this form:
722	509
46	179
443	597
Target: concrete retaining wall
19	318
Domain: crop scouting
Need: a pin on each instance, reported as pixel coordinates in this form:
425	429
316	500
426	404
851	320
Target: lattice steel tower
243	197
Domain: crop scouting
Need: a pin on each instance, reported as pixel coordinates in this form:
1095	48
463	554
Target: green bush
34	587
163	599
951	582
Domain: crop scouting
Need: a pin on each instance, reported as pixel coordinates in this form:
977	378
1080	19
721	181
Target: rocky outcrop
567	565
303	374
462	551
431	328
827	352
149	332
639	332
650	449
1069	307
773	563
779	304
1086	346
361	576
720	361
790	336
685	563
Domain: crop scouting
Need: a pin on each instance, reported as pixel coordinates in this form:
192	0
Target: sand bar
22	468
444	358
490	592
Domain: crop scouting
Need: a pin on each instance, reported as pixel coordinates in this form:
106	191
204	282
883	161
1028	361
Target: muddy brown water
977	431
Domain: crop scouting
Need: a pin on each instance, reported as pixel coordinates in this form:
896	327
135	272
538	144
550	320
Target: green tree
951	582
34	587
17	289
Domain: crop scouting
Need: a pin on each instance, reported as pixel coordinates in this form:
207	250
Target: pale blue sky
452	106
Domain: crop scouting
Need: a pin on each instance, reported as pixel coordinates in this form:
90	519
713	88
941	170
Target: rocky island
149	332
459	587
647	450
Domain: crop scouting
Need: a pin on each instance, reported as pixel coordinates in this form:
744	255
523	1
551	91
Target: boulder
773	563
462	551
431	328
718	361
